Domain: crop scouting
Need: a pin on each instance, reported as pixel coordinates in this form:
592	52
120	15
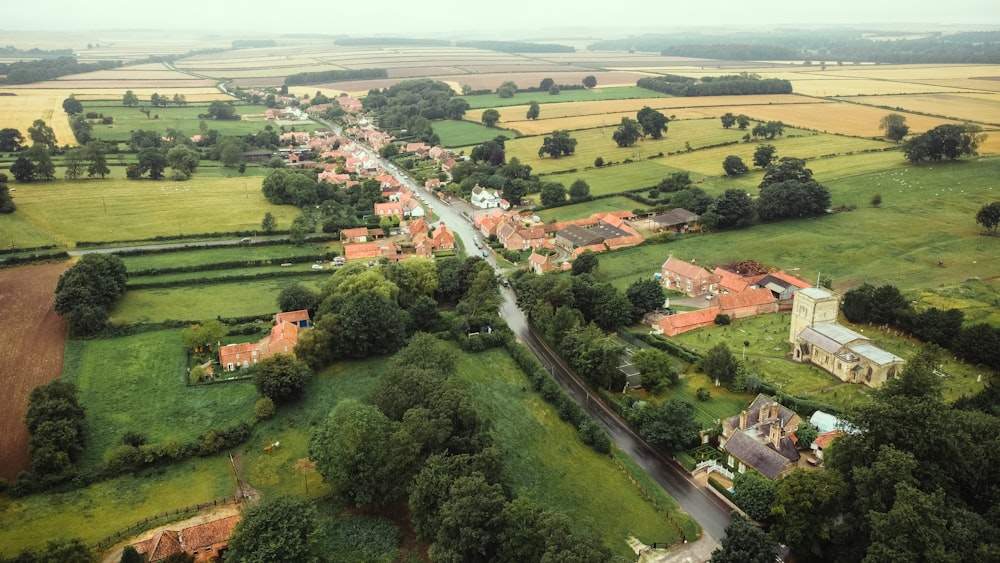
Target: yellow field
980	108
21	110
126	74
120	209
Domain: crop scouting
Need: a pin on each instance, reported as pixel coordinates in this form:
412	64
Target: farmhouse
817	338
540	263
235	356
203	542
483	198
760	438
686	277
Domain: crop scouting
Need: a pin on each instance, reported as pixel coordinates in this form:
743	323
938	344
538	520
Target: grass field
588	208
455	133
184	119
483	101
205	256
207	301
120	209
722	404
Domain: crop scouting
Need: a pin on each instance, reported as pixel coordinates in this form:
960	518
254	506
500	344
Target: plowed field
31	352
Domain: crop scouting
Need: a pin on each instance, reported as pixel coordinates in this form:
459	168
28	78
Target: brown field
980	108
31	353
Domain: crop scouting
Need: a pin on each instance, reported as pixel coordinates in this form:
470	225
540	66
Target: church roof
875	354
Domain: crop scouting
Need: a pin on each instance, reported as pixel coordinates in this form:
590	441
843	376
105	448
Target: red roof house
747	303
242	355
442	238
682	322
686	277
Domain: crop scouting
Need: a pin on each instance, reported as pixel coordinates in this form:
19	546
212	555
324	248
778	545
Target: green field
483	101
120	209
456	133
588	208
207	256
184	119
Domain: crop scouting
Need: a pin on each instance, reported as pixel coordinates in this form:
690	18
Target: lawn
207	301
456	133
117	209
185	119
483	101
722	404
206	256
547	462
137	383
588	208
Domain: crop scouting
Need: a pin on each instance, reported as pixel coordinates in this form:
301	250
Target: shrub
594	436
723	319
264	408
703	394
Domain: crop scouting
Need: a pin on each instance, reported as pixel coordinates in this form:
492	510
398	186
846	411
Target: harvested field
979	108
31	353
21	110
98	92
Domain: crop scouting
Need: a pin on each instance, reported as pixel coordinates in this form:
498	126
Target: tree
6	201
96	153
483	296
806	504
764	156
754	493
989	217
366	457
579	190
655	368
88	289
734	166
72	106
231	153
545	84
533	110
297	298
179	100
720	364
471	520
130	99
269	224
728	119
876	200
10	139
742	121
41	159
554	90
55	422
806	433
279	529
646	295
585	263
22	169
209	333
183	161
42	134
894	125
745	543
589	81
58	551
369	324
670	426
792	199
130	555
152	161
507	89
949	141
558	144
222	111
627	134
732	210
490	117
282	377
653	123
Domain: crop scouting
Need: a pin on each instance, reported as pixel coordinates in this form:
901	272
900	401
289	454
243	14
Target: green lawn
457	133
207	256
184	119
547	462
722	404
207	301
483	101
588	208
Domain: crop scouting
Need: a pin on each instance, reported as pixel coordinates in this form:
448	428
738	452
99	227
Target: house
540	263
282	340
442	238
760	438
679	221
205	542
488	223
298	318
359	234
418	226
235	356
730	282
823	440
818	338
783	286
672	325
483	198
362	250
686	277
389	209
746	303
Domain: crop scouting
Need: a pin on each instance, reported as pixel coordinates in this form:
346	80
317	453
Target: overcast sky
522	17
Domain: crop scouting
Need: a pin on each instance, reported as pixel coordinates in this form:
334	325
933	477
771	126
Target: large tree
628	132
670	426
207	333
86	291
653	122
805	506
646	295
279	529
949	141
728	119
23	169
55	422
42	134
989	216
764	155
589	81
533	110
183	161
655	368
72	106
129	99
471	521
152	161
10	139
553	194
745	543
490	117
732	210
754	494
579	190
792	199
282	377
6	201
41	159
720	364
298	297
558	144
734	166
894	125
96	154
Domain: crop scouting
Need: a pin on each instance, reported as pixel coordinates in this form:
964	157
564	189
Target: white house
483	199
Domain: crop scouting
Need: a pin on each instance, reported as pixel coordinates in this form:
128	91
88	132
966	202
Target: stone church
817	338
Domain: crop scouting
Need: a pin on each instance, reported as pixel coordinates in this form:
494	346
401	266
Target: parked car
486	253
317	266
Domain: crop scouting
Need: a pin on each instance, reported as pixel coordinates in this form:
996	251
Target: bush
703	394
594	436
264	408
723	319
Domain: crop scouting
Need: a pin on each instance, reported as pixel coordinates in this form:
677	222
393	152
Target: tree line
316	77
515	46
730	85
26	72
412	105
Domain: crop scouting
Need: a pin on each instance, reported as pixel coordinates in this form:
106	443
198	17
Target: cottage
760	438
203	542
540	263
442	238
483	198
235	356
389	209
282	340
686	277
359	234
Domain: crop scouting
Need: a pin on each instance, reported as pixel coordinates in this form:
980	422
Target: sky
514	18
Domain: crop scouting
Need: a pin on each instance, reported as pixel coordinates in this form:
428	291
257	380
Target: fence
145	523
649	497
714	467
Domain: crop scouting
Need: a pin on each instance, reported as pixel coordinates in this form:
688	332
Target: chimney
774	410
775	436
762	416
743	420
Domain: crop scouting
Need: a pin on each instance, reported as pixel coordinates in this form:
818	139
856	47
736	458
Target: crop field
981	108
120	209
32	352
21	110
207	301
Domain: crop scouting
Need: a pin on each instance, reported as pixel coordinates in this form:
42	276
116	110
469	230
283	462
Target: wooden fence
147	523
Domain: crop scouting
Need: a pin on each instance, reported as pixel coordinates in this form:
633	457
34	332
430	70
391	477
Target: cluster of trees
35	163
26	72
789	191
6	201
885	305
728	120
648	122
948	141
55	422
86	291
989	217
129	99
412	105
317	77
894	125
730	85
515	46
10	139
559	143
488	167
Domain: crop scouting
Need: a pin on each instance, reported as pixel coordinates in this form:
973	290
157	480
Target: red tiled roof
209	533
731	280
685	269
354	233
825	438
794	280
748	298
292	316
237	353
362	250
682	321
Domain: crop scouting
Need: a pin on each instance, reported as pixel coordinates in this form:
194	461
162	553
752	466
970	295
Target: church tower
812	306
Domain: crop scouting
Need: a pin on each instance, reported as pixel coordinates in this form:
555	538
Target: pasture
456	133
32	352
117	209
619	94
184	119
588	208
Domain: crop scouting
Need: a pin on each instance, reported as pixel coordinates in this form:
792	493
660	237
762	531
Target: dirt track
31	352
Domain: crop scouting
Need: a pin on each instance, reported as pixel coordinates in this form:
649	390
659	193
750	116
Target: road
711	512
